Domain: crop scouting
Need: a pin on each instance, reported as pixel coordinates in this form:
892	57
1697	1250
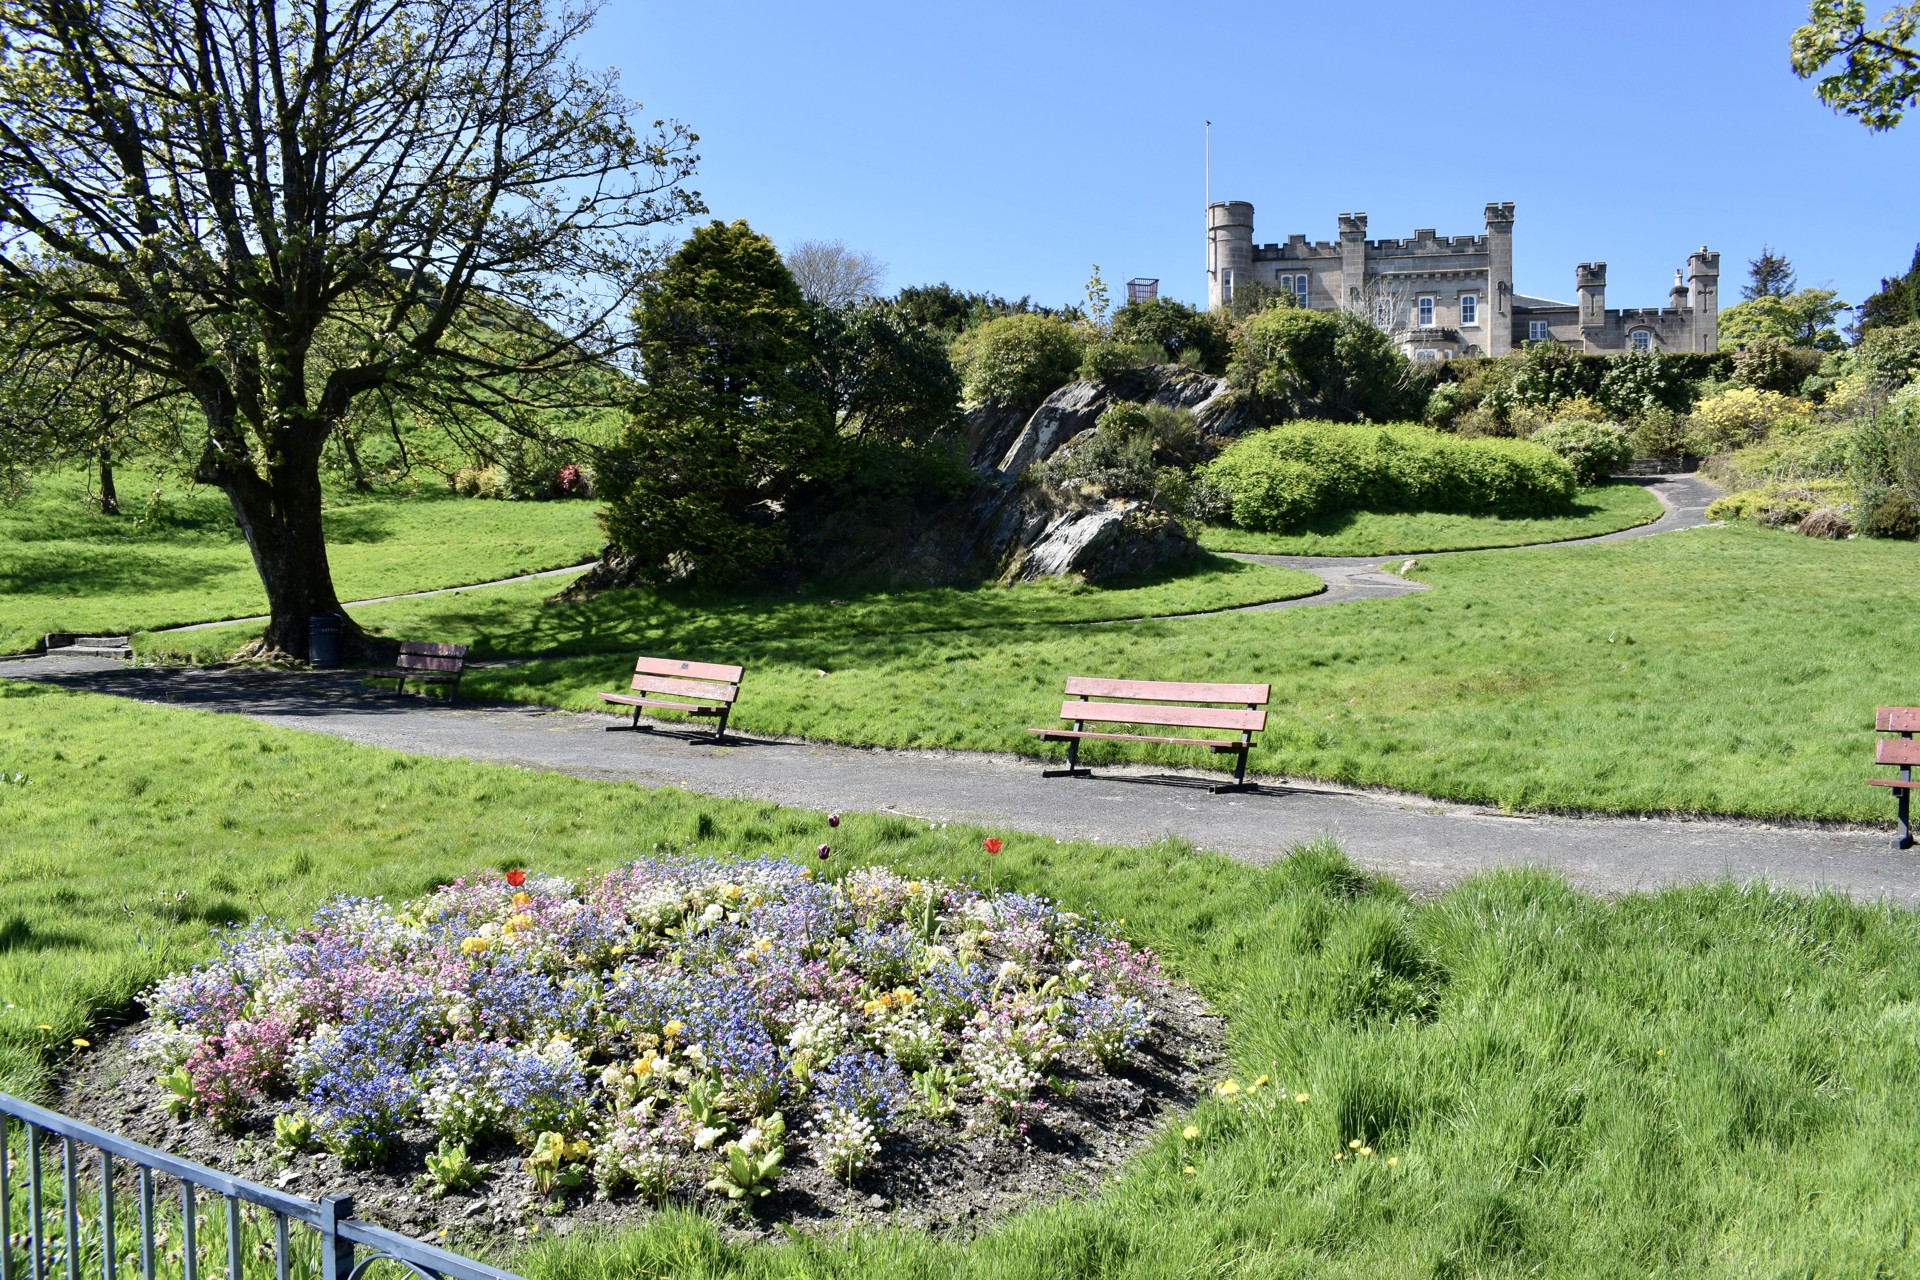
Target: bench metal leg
1239	782
720	730
1073	769
635	727
1903	838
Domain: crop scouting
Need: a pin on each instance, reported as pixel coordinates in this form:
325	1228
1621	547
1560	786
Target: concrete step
112	646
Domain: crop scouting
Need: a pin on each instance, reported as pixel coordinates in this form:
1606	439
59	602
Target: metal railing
86	1244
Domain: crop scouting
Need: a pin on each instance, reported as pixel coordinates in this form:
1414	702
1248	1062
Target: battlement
1425	241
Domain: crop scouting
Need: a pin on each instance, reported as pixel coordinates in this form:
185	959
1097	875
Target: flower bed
674	1028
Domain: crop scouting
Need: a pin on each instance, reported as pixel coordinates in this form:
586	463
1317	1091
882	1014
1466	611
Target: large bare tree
275	209
833	275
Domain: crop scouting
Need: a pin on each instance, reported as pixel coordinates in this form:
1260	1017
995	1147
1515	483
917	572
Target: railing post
336	1252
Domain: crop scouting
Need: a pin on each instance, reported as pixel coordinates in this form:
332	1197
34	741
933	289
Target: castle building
1445	296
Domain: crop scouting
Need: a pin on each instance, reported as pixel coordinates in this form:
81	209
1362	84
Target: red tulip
825	849
516	877
992	845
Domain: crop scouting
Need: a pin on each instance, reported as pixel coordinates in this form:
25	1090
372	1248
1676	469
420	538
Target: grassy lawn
65	567
1604	509
1709	1082
1717	670
516	621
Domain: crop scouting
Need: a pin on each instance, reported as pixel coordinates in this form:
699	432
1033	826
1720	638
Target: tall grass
1712	1081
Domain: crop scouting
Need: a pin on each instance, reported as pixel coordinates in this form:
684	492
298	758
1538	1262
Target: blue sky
1008	146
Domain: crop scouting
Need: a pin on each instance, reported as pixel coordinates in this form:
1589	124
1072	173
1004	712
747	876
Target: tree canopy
1895	303
1870	72
1768	276
272	210
1802	319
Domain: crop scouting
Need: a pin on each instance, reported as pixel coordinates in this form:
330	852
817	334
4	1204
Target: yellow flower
1354	1145
674	1028
472	946
1188	1170
1659	1053
1393	1160
46	1026
521	921
521	900
1339	1155
1366	1151
1191	1132
1256	1084
1300	1098
1226	1088
82	1044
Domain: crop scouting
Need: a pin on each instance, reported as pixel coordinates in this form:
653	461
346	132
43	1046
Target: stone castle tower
1445	296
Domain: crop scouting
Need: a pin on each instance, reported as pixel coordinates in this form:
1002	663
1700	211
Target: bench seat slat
420	674
689	670
1066	734
1896	751
1897	719
1235	718
432	649
422	662
692	709
687	688
1168	690
1901	783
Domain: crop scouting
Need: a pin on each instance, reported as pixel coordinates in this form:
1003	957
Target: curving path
1349	578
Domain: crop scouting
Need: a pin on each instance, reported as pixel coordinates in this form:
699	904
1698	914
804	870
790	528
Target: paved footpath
1427	845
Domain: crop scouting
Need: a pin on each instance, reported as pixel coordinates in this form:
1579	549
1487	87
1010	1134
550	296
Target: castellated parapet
1445	296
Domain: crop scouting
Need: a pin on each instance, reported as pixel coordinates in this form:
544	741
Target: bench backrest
425	655
709	681
1188	710
1896	719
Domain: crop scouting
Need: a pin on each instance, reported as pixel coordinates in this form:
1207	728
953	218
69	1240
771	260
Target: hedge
1279	478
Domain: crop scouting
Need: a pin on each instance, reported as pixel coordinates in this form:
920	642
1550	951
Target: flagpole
1208	212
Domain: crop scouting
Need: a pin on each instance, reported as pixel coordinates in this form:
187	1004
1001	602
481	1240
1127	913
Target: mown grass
1603	509
1708	1082
1716	670
66	567
516	621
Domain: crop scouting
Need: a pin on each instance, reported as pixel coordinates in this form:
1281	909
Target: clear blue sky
1009	145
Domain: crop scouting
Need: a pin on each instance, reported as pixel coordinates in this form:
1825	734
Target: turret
1677	296
1703	291
1229	249
1590	278
1353	259
1499	297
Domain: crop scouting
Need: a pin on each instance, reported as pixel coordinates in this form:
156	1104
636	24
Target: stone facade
1445	296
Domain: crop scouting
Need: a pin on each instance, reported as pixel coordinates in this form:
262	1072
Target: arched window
1641	340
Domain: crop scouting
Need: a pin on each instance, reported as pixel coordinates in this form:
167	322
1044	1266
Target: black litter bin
323	640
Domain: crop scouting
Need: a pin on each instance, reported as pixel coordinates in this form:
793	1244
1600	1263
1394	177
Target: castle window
1469	308
1226	284
1300	289
1426	316
1536	331
1641	339
1426	353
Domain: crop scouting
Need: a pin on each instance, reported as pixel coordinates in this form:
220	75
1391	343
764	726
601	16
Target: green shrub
1779	505
1662	433
1771	364
1106	361
1641	381
1017	359
1130	449
1183	334
1446	403
1283	476
1595	450
1297	363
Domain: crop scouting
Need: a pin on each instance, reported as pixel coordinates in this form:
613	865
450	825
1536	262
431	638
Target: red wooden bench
1903	751
696	688
424	662
1159	703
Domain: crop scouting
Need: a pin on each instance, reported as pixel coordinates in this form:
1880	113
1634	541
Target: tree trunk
109	498
280	515
355	471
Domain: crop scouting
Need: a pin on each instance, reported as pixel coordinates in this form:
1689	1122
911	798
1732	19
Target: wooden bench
425	662
696	688
1149	705
1903	751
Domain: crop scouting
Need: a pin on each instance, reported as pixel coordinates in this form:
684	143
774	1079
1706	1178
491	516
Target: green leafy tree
879	378
1016	359
279	209
950	311
1768	276
1185	334
1092	322
1871	73
1803	319
1317	364
1896	303
727	425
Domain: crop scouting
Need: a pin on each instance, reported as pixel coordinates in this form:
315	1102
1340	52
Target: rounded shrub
1595	450
1019	359
1280	478
1742	416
